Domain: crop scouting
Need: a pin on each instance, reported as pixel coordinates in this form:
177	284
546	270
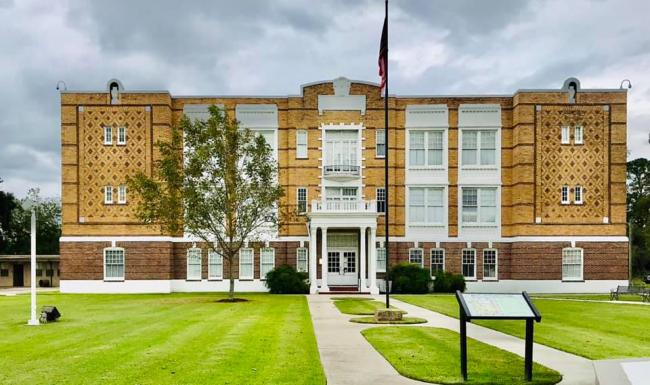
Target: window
564	195
380	140
246	264
302	264
469	263
108	195
490	264
577	135
572	264
121	135
341	193
108	135
121	194
416	256
194	264
381	200
342	148
4	272
39	272
215	265
425	148
565	135
479	147
114	264
426	205
301	198
577	195
301	144
479	205
267	261
437	261
381	259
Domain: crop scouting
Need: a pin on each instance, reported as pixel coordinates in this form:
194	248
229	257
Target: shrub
284	279
409	279
448	282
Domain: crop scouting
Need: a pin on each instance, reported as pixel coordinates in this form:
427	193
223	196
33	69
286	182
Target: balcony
344	206
341	171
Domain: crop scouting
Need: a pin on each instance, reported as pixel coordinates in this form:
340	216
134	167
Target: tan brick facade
533	167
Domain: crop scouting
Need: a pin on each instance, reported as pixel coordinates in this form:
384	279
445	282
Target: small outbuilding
15	270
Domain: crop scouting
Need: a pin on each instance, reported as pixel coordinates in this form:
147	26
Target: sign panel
497	305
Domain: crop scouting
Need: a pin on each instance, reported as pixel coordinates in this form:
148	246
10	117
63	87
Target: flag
383	55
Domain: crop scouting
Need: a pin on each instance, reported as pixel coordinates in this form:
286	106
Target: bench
638	290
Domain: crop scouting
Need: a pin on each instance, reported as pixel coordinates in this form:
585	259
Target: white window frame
302	147
413	250
298	200
565	135
215	258
431	252
496	265
578	193
121	194
380	139
381	259
463	263
108	194
116	278
564	195
121	135
578	134
252	262
426	149
191	260
479	207
108	135
564	263
265	266
302	257
380	192
479	148
426	205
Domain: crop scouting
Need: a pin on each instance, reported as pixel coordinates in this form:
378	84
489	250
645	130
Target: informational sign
501	306
497	306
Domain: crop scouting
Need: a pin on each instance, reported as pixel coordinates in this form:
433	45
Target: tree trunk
231	292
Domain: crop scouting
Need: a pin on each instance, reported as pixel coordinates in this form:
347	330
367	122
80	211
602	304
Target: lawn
160	339
590	329
359	306
432	355
591	297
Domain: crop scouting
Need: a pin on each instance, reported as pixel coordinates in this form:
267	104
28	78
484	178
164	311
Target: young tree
217	182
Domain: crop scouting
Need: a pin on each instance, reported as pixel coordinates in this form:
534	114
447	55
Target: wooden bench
634	290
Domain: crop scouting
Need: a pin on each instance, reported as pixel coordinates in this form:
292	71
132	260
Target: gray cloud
264	47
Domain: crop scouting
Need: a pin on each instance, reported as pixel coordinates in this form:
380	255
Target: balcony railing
343	206
344	170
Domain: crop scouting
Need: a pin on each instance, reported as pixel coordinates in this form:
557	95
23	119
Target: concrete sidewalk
11	291
347	358
575	370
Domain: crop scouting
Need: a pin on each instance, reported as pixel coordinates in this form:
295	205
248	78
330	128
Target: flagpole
386	185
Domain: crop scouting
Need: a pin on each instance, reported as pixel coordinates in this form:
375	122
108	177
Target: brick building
522	191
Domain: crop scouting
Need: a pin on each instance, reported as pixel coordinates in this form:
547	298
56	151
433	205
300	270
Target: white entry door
342	267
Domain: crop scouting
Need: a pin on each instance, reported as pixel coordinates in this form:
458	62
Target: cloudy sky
271	47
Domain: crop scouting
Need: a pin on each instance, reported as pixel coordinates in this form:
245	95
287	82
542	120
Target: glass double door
342	266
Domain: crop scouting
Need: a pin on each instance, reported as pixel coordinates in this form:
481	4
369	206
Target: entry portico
343	254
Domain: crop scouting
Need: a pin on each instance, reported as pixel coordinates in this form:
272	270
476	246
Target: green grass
160	339
359	306
589	329
432	355
403	321
336	298
591	297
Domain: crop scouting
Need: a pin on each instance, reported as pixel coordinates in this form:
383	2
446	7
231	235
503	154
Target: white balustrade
343	206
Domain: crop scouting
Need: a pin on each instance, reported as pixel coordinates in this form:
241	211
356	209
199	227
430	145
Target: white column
33	321
362	257
373	261
313	255
323	261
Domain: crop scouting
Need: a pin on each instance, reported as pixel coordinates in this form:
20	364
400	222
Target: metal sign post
33	321
499	307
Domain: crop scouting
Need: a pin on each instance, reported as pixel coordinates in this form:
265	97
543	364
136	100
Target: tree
217	182
638	213
8	203
48	225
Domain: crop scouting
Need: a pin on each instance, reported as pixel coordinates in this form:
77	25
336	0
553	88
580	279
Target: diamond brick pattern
559	164
110	164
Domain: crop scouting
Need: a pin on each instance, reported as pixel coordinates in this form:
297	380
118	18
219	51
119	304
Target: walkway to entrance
349	359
